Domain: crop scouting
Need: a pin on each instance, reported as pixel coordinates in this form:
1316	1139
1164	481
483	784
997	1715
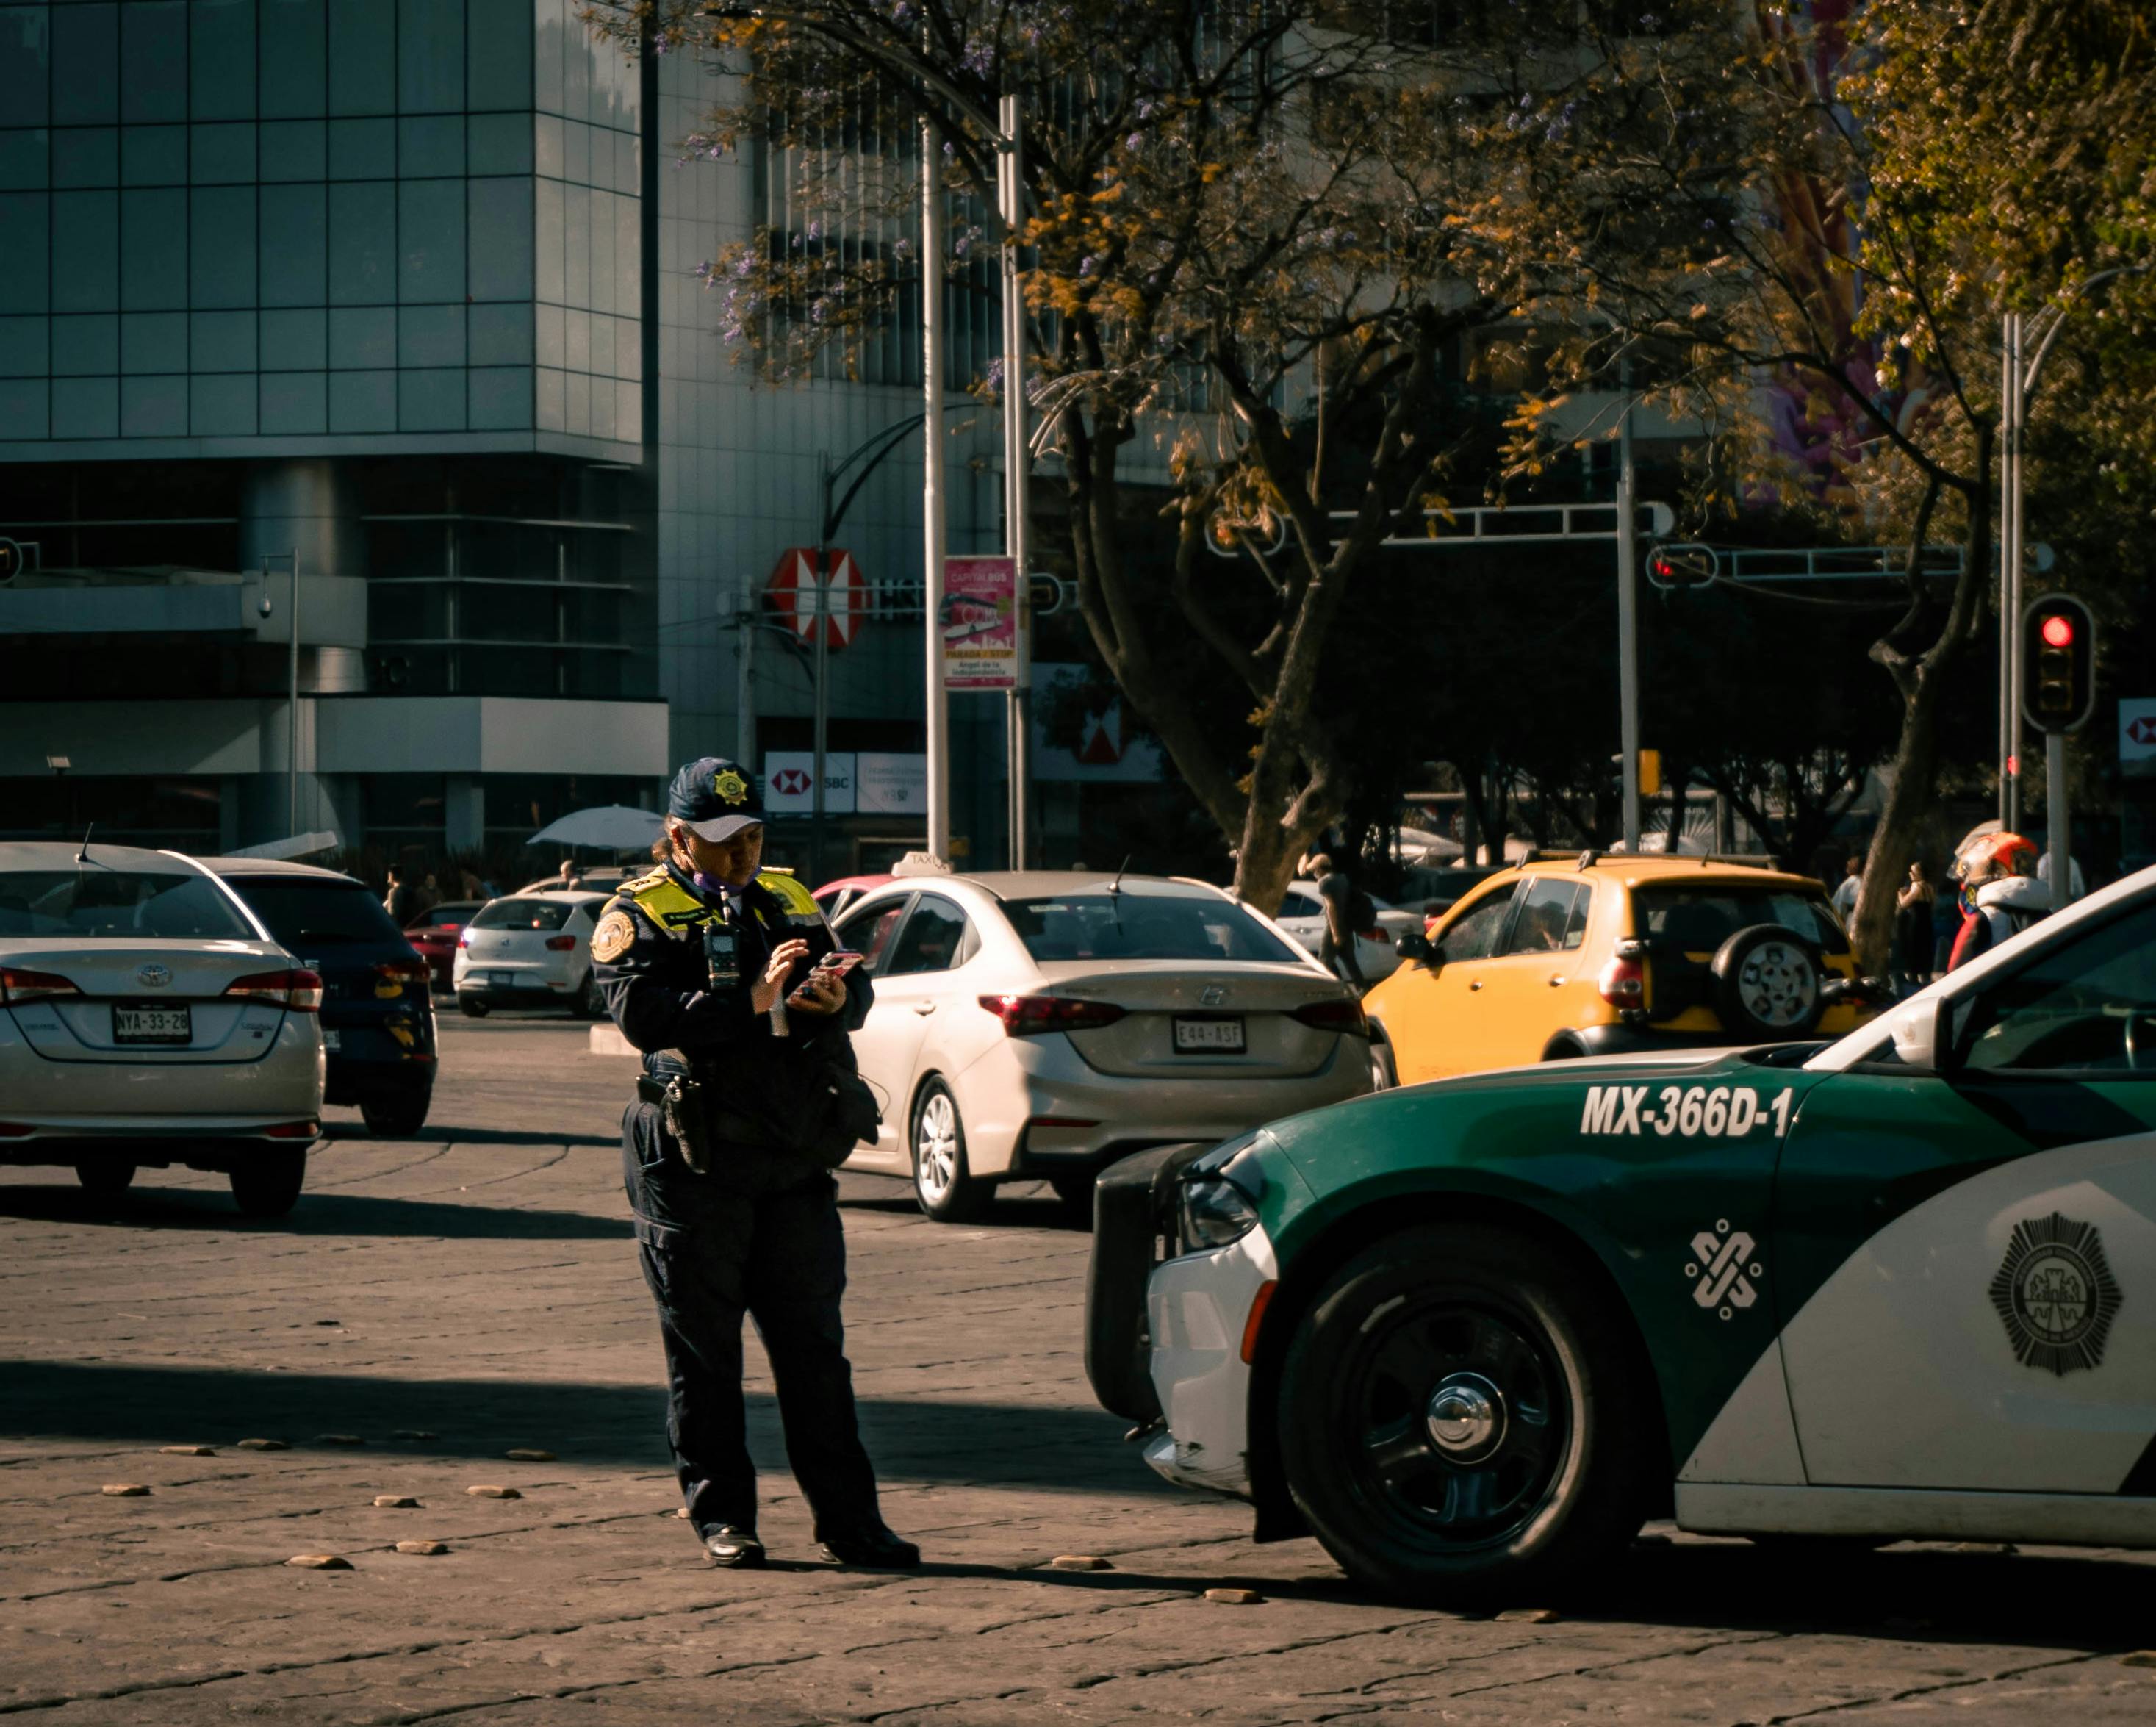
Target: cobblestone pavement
433	1305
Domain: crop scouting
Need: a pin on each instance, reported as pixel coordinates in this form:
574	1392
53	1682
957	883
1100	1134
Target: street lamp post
932	529
291	688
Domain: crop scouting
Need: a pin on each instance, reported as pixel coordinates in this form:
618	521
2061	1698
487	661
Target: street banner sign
789	781
804	576
2137	735
890	784
980	623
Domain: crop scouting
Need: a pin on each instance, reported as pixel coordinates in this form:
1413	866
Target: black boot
873	1547
735	1549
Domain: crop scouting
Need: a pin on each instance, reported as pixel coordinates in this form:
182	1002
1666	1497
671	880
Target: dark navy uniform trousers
760	1235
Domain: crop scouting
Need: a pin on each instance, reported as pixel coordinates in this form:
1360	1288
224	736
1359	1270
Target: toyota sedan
1038	1025
147	1018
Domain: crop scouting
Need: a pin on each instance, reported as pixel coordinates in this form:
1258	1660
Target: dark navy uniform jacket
676	966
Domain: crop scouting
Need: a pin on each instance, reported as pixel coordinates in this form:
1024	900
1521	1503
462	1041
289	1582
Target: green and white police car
1474	1333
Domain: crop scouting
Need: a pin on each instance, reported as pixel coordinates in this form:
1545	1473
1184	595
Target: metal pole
1628	628
931	491
819	622
2062	866
745	686
2008	372
2009	609
292	711
1016	462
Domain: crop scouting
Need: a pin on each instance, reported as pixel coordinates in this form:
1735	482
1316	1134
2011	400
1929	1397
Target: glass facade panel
430	336
295	404
500	398
431	401
26	223
498	34
86	408
153	407
26	60
153	44
25	407
502	263
362	337
430	56
430	240
362	57
153	156
222	155
83	348
26	347
294	150
499	143
26	160
153	342
86	156
221	342
86	252
549	272
221	262
430	144
153	230
294	58
295	246
362	244
362	149
221	406
500	335
221	59
85	71
295	341
362	401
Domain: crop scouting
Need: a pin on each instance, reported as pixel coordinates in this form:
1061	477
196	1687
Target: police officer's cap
715	798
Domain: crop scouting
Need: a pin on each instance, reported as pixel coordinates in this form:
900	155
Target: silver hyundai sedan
148	1018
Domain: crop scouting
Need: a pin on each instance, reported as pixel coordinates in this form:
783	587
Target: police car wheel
269	1182
1768	984
470	1006
942	1186
1461	1417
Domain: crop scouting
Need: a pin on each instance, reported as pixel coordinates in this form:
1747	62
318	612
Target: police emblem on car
2056	1294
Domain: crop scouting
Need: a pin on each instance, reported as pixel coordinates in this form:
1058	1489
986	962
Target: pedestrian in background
1845	893
1336	948
749	1099
402	901
1912	929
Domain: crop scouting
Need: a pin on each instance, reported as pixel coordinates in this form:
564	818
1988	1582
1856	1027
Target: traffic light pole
2059	818
1627	633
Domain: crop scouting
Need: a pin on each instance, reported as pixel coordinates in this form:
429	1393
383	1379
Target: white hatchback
530	950
148	1018
1040	1024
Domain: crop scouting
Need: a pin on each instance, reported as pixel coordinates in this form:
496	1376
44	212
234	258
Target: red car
434	935
835	895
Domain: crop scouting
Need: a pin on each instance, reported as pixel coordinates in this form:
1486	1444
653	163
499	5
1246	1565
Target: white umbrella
612	827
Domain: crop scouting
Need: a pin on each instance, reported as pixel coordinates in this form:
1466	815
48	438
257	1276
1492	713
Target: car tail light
415	968
1338	1014
1259	1304
293	1130
1025	1016
561	944
464	941
1624	982
1381	935
301	991
18	985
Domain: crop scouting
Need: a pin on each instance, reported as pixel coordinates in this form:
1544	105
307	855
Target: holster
696	1124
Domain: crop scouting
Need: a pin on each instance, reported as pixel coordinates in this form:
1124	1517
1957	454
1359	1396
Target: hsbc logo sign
791	783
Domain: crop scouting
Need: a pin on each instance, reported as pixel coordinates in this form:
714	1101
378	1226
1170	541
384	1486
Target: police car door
888	1040
1965	1259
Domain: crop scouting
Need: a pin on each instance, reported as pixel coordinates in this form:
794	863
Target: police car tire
1727	968
269	1184
1597	1493
964	1199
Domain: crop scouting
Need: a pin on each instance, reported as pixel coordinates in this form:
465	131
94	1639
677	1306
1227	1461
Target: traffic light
1682	566
2058	663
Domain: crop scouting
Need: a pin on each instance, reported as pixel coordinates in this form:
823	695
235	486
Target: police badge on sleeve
614	937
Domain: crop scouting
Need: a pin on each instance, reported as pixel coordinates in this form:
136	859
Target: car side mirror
1921	1032
1416	948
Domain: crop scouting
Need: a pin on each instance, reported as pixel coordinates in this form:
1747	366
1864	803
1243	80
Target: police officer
709	971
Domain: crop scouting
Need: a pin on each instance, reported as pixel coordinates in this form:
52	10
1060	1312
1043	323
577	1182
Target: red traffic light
2058	631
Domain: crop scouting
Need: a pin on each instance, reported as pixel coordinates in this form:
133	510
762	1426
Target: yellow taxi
1590	955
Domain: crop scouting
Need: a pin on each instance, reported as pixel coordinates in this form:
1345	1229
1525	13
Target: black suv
377	1010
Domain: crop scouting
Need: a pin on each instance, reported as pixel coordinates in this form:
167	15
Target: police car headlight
1214	1213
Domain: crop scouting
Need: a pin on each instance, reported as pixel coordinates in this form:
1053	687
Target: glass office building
402	292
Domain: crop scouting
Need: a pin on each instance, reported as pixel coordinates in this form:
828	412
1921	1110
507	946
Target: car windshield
1698	920
519	913
113	905
1134	925
305	911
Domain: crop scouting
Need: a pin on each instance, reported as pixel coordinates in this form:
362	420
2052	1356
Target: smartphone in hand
838	962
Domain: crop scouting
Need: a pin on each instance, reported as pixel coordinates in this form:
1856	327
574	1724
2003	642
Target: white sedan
1377	949
530	950
1038	1025
148	1018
